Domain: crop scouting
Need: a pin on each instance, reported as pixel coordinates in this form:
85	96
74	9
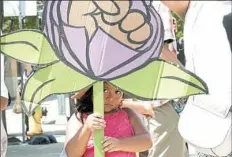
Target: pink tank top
118	126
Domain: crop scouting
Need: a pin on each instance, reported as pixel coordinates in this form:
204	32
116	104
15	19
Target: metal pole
21	71
1	14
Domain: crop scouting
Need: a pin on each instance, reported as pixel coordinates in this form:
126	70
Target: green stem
98	99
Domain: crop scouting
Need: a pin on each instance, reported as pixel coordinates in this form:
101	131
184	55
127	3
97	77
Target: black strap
1	14
227	23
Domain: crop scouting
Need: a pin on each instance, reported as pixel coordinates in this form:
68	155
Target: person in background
207	118
4	93
4	102
28	71
33	123
169	52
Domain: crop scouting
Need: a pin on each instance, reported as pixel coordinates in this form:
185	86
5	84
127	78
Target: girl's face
112	97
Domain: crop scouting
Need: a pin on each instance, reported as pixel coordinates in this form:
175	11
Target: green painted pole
98	99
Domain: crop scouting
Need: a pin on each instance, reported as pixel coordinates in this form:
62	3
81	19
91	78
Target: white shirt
4	91
208	53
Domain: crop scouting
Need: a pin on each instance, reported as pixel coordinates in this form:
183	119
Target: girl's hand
111	144
95	121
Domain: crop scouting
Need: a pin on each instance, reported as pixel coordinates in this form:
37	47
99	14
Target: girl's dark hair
85	103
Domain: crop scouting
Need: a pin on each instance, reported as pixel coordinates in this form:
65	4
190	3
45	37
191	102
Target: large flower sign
84	43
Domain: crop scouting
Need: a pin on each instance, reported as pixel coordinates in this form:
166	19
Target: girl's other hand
111	144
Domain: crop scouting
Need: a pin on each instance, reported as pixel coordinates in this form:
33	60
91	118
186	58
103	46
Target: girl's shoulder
121	114
80	117
130	113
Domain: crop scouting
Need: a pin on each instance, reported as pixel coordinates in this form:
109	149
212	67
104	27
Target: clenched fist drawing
115	17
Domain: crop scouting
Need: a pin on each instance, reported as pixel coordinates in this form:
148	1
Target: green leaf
161	80
28	46
54	79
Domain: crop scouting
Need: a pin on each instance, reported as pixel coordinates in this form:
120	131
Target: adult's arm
169	56
179	7
4	102
142	107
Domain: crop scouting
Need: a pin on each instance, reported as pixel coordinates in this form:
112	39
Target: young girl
124	132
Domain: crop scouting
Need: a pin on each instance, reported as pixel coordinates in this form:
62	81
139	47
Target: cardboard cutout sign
87	42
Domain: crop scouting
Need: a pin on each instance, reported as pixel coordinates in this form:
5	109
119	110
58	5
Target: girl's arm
142	107
141	141
77	137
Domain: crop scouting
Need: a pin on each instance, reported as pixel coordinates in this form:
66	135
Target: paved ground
51	150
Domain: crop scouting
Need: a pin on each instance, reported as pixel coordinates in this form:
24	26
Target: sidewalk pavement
24	150
51	150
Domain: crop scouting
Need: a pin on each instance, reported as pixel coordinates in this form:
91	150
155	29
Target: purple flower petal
77	40
105	53
64	10
70	60
136	64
